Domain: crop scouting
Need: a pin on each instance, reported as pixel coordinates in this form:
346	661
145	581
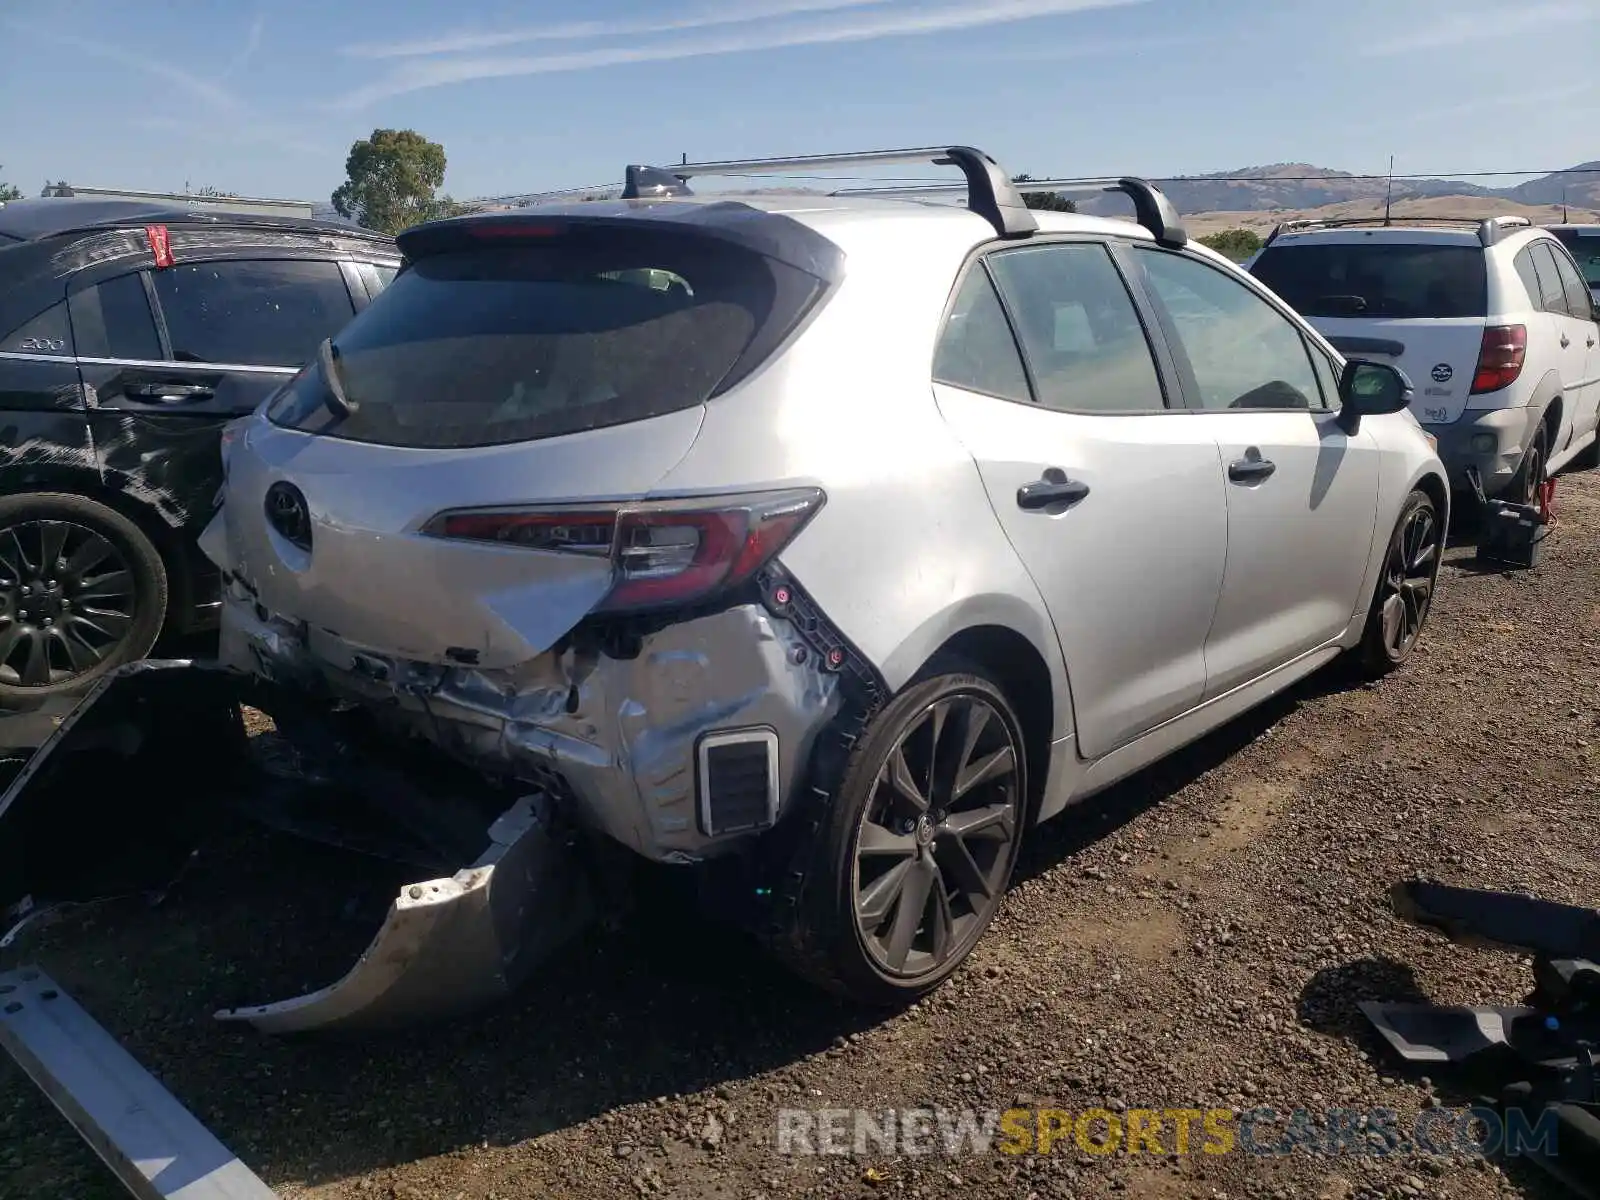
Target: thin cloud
856	27
1459	29
456	43
1516	99
252	43
202	89
1076	50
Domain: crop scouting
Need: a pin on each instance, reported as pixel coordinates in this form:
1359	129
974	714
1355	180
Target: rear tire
912	859
82	591
1524	487
1404	595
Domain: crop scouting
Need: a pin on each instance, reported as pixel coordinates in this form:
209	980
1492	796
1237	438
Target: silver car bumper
620	739
1492	440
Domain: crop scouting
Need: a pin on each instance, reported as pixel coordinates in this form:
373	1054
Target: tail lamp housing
663	554
1500	357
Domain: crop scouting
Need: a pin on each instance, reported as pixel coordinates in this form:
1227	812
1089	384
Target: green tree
1053	201
392	181
1237	244
9	191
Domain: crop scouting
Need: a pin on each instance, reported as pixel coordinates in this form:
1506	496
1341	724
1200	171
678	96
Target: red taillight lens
662	555
1500	357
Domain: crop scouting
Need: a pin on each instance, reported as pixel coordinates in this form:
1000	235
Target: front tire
82	591
1404	594
912	861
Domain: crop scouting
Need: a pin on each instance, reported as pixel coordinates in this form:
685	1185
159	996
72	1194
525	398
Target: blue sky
264	97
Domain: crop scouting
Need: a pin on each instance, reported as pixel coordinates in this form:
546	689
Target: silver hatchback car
841	538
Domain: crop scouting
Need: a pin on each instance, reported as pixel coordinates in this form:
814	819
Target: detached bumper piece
155	758
452	945
150	1141
1540	1059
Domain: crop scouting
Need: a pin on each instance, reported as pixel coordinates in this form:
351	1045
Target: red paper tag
160	245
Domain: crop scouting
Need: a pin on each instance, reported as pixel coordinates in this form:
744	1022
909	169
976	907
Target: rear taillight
662	554
1500	357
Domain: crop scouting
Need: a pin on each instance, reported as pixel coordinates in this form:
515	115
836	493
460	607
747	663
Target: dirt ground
1198	937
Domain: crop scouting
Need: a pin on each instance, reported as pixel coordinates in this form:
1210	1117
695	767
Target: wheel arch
167	538
1012	644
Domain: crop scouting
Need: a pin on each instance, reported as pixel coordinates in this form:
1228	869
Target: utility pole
1388	193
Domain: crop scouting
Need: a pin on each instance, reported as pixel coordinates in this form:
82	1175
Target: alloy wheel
67	601
1409	575
937	837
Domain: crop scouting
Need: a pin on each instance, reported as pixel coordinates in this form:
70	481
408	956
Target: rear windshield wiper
338	403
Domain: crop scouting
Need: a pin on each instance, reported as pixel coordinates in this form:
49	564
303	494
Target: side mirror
1370	389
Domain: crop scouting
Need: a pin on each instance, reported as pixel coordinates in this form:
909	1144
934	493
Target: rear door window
1579	302
130	330
263	312
1552	296
1377	279
483	346
1079	329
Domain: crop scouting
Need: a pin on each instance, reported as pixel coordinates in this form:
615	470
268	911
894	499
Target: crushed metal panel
452	945
154	1145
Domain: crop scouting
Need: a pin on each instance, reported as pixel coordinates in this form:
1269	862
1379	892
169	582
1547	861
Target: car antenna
338	403
1388	192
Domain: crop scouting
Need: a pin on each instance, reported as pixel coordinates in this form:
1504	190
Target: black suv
129	334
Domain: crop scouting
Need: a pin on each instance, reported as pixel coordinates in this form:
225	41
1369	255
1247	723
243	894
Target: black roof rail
1152	209
990	191
1489	229
1493	229
641	182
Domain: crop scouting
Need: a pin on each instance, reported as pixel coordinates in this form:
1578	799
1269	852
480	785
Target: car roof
42	217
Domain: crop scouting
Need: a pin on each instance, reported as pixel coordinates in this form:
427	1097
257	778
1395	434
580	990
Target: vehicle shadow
669	1004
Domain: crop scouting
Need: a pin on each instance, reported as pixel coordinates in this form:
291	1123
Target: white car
1493	322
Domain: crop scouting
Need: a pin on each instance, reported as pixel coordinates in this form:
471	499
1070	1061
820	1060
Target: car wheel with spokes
82	591
914	859
1406	586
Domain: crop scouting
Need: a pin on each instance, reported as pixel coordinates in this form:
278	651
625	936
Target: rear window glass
1585	247
1376	279
513	342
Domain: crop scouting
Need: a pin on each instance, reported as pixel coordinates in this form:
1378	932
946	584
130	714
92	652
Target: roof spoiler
990	192
1489	229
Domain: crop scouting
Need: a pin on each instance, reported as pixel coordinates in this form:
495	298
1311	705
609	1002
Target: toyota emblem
287	513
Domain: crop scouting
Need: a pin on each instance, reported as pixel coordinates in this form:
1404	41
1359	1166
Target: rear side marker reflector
160	245
663	554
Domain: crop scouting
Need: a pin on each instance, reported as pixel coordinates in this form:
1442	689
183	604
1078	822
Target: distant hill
1304	186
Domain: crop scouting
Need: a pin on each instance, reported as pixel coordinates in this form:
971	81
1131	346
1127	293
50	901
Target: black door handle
172	393
1250	470
1055	488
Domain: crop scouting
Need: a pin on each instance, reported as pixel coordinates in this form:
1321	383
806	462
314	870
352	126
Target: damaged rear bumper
622	728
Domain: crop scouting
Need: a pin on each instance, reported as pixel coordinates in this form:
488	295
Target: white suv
1493	322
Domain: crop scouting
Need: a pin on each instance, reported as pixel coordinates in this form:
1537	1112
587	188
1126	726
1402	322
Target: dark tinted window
48	333
1244	353
1585	247
384	275
1079	329
976	350
1552	297
264	313
1376	279
125	310
1579	302
477	347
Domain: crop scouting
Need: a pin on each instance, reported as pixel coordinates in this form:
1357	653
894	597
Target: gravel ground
1196	937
